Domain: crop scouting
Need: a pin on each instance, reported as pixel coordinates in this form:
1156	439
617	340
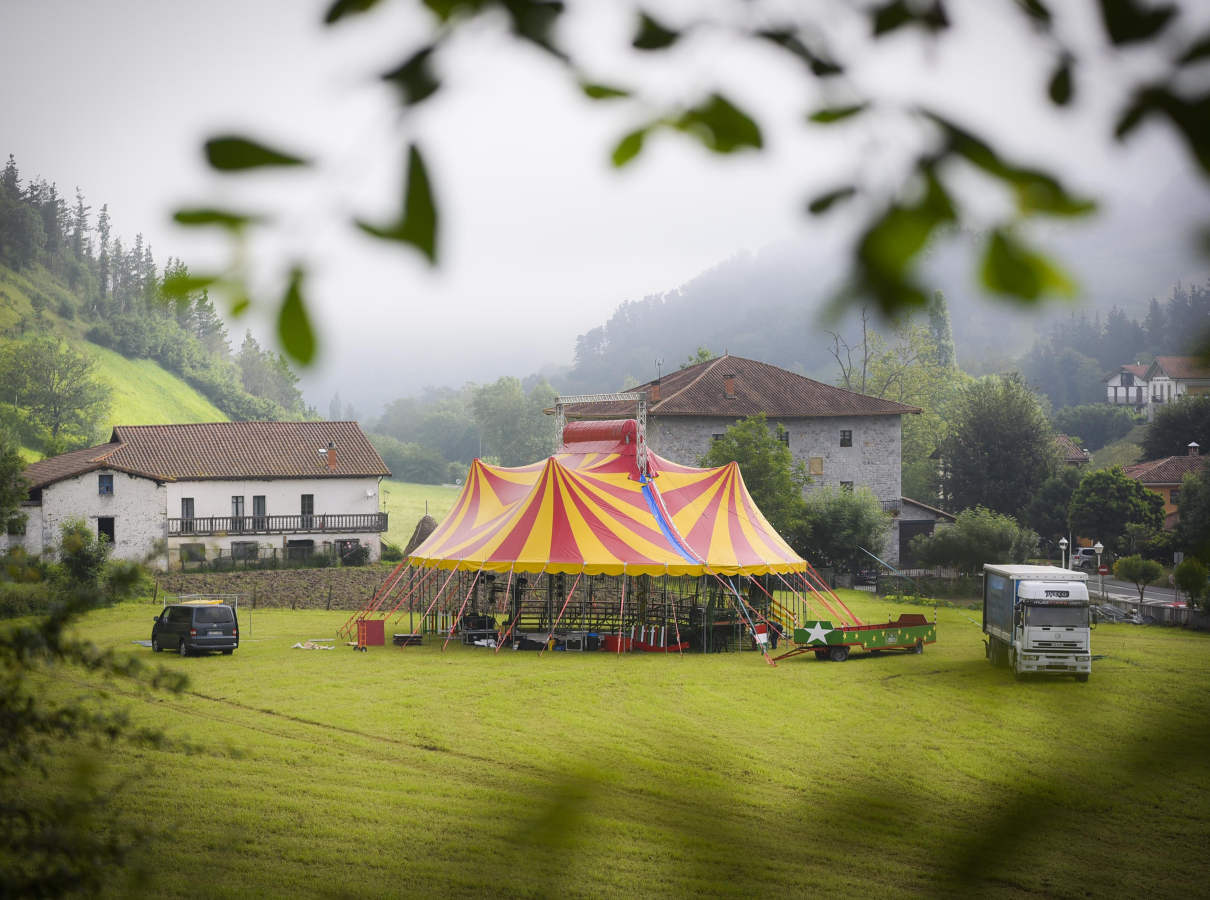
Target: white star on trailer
818	633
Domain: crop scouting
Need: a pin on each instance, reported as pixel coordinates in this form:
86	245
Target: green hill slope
144	394
1123	452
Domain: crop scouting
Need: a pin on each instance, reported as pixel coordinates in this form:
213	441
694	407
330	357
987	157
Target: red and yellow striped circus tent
589	509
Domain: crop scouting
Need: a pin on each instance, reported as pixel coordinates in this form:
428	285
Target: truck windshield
1058	616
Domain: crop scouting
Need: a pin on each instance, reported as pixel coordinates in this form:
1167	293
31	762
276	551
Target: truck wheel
838	654
1081	676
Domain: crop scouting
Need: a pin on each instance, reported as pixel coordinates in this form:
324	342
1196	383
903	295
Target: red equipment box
370	633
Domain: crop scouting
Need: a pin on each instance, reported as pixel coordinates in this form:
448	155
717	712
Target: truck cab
1036	619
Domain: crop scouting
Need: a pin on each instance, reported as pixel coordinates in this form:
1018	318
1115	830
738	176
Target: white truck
1036	619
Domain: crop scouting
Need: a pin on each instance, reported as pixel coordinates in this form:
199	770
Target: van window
213	615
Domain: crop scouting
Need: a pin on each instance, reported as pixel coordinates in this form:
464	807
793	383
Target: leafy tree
1107	501
411	462
1190	576
1176	425
770	473
13	487
1047	512
1095	424
1066	376
908	367
838	523
1000	447
703	354
1192	532
978	536
56	387
512	424
1141	572
268	375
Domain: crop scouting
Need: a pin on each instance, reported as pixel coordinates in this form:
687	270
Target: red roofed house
1127	386
845	439
163	493
1164	477
1171	377
1071	453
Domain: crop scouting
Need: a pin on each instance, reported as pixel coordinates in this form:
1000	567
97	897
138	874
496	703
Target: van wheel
155	644
182	648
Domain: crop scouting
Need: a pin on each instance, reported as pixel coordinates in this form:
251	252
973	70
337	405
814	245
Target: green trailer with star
910	632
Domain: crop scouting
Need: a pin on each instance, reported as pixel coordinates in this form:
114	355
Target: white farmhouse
164	493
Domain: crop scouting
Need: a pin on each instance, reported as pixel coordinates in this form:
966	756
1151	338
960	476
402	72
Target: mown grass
468	773
407	503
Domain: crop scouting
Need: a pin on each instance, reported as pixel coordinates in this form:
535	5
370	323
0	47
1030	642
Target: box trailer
1036	620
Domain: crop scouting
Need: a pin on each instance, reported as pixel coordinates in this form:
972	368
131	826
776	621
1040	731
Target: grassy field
407	503
467	773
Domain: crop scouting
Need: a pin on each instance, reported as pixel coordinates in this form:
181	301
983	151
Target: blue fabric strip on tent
664	526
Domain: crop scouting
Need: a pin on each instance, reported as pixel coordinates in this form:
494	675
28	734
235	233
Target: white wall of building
136	507
283	496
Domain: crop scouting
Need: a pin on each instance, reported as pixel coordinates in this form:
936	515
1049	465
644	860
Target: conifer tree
81	244
942	332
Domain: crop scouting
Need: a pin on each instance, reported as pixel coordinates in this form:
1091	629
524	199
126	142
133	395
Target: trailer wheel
821	654
919	648
838	654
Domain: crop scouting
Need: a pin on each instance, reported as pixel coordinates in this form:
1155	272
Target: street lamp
1098	548
1063	552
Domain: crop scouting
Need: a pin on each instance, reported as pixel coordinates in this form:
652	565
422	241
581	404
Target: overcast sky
541	238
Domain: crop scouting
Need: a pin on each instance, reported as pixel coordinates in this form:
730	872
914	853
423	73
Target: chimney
654	395
729	387
330	454
1194	447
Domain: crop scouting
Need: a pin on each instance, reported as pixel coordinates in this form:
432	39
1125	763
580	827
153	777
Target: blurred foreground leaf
1013	269
232	153
293	324
417	224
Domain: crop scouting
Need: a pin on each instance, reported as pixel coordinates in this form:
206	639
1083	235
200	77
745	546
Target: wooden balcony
312	524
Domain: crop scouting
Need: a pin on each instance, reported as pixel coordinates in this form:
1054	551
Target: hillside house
1128	387
1164	477
843	438
167	493
1071	453
1171	377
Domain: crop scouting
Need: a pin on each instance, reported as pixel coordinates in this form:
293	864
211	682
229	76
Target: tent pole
504	605
622	610
561	611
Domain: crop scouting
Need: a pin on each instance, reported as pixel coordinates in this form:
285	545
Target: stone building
843	438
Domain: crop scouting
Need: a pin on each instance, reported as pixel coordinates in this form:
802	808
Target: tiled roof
755	387
1169	470
223	450
1182	367
1138	371
1070	450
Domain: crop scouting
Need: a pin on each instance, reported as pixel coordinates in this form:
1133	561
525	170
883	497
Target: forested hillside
92	331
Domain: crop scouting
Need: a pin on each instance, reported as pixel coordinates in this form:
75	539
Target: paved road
1125	590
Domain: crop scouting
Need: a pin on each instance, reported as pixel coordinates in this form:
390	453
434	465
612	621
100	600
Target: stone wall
872	460
344	588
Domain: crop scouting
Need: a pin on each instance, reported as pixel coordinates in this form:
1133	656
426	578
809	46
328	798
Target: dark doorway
105	527
907	531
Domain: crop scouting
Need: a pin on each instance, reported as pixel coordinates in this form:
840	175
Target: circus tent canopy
589	509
